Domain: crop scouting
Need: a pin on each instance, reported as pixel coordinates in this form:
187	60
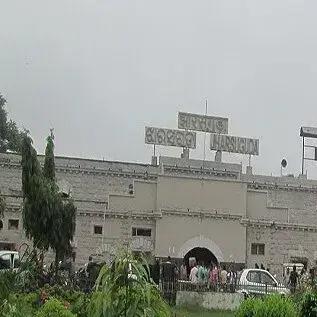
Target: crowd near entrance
201	256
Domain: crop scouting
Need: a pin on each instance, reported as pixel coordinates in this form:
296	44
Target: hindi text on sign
196	122
169	137
228	143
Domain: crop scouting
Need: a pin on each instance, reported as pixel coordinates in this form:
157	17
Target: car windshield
254	276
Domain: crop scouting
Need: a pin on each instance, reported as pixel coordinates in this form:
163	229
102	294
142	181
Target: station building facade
179	208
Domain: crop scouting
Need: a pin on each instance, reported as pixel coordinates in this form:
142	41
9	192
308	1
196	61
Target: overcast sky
99	71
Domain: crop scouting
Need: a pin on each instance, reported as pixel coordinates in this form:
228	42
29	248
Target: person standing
293	279
193	274
223	278
168	279
156	272
231	279
200	274
286	277
183	272
213	277
205	275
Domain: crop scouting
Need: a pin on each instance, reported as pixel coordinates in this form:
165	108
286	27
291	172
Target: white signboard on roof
233	144
197	122
169	137
308	132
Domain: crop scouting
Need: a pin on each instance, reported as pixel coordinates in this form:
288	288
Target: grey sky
99	71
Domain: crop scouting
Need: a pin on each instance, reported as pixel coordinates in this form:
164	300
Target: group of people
215	277
295	280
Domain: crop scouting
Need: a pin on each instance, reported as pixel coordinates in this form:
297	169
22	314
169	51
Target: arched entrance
204	250
203	256
200	242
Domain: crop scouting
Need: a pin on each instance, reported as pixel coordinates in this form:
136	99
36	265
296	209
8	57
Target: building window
97	229
257	248
13	224
141	232
1	224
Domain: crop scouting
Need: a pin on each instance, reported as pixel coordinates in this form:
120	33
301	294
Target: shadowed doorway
202	256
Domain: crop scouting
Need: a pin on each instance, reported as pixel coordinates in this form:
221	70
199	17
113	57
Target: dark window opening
1	224
97	229
257	248
141	232
13	224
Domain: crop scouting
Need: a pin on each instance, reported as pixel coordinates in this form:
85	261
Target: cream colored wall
87	243
143	199
194	194
257	207
172	232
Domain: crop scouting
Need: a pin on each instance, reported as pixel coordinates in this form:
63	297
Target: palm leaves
126	290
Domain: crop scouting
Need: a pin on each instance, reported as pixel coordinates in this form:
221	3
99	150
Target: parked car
9	260
259	282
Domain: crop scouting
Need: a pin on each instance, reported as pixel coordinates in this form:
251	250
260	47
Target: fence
170	288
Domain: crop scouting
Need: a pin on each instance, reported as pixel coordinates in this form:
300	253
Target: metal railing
170	288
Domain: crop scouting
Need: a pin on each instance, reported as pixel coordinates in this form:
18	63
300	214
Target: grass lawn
198	312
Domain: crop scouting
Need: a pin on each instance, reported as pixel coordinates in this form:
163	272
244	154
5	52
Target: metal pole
205	132
303	154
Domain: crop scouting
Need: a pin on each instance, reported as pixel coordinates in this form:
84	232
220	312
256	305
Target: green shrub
80	306
54	308
249	307
308	305
273	305
126	290
20	305
78	301
7	284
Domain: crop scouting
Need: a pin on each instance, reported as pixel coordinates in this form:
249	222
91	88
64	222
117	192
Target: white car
259	282
9	260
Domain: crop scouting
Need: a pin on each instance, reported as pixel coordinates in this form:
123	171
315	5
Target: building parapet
201	214
277	225
135	214
280	186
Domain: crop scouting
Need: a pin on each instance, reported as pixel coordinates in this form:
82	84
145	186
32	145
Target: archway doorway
202	256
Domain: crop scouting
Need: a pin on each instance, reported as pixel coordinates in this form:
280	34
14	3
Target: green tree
64	223
48	218
37	197
2	205
49	163
10	136
3	124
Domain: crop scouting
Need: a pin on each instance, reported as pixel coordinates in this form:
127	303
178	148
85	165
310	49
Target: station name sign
169	137
308	132
228	143
196	122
